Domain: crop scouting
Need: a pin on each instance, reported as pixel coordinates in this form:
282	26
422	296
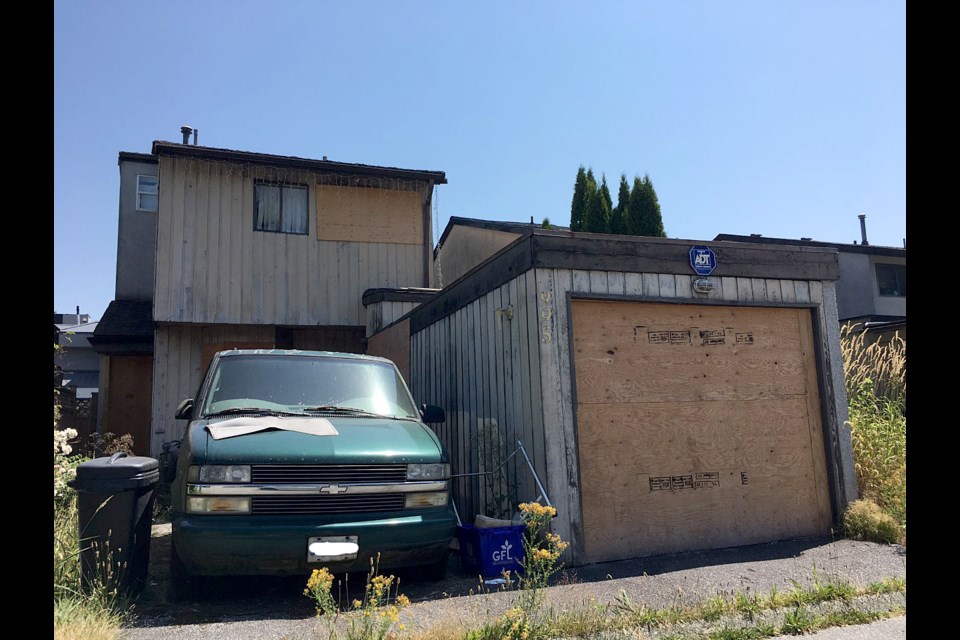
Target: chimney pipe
195	132
863	229
186	131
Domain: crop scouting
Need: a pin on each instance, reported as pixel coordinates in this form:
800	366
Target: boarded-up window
280	207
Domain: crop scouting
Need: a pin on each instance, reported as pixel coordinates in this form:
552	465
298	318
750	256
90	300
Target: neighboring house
220	248
466	242
77	362
873	280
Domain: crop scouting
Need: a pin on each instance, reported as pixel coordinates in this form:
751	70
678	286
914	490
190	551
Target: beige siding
466	247
393	343
178	369
213	267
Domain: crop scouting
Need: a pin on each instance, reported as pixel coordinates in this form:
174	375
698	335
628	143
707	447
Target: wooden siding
481	364
178	369
393	343
212	267
558	393
385	312
358	214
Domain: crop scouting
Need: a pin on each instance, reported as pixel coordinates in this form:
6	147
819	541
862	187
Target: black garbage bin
115	504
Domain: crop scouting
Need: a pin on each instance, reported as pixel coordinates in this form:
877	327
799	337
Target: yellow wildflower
403	600
357	604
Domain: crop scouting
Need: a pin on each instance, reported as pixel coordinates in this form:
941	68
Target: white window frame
139	192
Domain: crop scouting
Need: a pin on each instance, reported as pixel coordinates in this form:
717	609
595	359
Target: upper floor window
892	280
148	188
280	207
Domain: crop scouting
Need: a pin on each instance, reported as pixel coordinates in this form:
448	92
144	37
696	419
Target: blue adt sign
703	259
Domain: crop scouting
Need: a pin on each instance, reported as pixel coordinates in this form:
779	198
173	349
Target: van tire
438	570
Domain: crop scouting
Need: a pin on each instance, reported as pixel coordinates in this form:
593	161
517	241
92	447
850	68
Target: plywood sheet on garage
698	427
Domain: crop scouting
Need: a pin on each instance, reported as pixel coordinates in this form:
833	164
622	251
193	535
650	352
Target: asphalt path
275	608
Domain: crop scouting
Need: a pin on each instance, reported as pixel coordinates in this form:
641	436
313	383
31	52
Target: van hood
359	440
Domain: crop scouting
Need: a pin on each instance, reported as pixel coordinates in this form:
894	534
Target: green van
295	460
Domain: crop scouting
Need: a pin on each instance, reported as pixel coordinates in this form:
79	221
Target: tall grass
877	394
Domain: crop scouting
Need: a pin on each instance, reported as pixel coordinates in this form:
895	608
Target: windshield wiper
332	408
247	410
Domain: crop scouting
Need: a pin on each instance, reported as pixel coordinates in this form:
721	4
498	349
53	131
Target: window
147	193
892	280
280	207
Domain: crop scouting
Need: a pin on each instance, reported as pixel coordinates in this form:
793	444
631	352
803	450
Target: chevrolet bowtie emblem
332	488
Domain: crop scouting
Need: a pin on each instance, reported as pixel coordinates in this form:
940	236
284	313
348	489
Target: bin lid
131	471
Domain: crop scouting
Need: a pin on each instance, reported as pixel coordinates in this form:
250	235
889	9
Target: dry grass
882	363
76	619
877	394
865	520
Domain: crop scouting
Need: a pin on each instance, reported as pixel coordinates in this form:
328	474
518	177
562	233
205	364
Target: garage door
698	427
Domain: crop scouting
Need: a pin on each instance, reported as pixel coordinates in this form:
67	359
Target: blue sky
781	118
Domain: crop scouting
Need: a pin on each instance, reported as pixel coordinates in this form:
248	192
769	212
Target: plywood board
356	214
698	427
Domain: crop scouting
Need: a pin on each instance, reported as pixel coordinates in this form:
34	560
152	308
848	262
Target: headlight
428	471
421	500
219	473
216	504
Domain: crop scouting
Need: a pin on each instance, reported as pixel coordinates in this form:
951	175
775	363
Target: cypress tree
635	207
651	220
595	213
607	204
618	216
579	199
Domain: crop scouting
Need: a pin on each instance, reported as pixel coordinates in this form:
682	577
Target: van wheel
183	584
438	570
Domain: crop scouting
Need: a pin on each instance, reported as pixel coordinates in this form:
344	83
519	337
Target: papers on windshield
246	424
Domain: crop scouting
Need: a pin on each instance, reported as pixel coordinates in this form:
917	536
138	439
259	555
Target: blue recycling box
491	551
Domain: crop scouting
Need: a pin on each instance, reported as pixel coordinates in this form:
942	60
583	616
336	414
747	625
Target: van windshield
307	385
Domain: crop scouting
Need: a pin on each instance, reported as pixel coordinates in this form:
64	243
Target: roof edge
161	147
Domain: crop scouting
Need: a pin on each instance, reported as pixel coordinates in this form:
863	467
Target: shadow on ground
264	598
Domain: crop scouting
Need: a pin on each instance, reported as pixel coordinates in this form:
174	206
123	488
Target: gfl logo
504	553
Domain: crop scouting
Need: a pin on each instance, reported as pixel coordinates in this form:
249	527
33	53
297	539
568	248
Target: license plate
329	548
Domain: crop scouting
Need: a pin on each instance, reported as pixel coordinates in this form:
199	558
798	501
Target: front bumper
277	545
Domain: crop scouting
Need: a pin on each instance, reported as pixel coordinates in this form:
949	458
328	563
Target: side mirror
432	413
185	410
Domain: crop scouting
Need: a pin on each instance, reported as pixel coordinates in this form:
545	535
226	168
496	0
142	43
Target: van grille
310	505
327	473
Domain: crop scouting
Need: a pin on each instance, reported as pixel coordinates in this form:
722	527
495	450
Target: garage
699	427
666	405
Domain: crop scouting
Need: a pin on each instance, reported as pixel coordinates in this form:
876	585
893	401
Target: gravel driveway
274	608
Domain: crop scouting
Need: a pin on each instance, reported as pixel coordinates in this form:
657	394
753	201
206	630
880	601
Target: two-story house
873	279
220	248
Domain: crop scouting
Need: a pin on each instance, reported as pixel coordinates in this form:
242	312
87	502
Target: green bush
865	520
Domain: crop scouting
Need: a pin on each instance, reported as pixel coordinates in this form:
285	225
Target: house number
546	312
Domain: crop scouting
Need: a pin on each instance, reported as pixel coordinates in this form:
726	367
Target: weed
798	622
887	585
865	520
371	618
748	605
714	609
738	633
